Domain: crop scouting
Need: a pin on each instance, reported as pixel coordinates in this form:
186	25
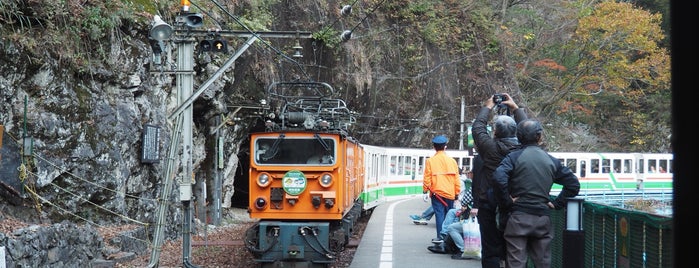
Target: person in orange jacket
441	180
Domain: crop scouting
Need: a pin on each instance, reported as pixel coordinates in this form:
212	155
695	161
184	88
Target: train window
407	166
627	166
469	162
662	166
420	165
605	166
616	165
320	155
290	151
394	163
594	165
413	168
262	148
383	167
571	164
652	166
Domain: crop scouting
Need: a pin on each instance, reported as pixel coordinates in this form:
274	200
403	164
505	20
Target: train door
413	168
375	173
639	169
420	167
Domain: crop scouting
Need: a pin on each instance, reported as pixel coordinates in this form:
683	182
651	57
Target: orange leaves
572	106
550	64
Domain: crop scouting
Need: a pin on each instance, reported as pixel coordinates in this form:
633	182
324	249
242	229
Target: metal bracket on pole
203	87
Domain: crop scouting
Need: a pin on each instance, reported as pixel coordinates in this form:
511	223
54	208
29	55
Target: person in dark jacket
491	150
523	183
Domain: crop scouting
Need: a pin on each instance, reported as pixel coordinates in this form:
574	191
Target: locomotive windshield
295	151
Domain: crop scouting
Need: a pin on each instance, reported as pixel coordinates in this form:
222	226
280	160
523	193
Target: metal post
186	238
574	235
218	176
185	84
461	131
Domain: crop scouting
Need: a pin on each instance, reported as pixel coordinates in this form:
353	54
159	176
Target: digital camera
498	98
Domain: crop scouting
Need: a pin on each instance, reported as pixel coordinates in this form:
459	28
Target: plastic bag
472	239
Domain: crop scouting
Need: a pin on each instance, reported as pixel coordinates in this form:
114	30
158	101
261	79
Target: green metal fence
617	237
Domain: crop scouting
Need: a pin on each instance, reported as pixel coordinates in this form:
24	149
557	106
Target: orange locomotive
306	177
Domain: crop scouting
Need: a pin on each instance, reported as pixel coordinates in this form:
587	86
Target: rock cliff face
58	245
84	103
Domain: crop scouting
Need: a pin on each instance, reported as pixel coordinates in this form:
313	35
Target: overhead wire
367	15
207	13
338	19
266	43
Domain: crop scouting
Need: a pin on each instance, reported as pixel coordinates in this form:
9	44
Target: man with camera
492	150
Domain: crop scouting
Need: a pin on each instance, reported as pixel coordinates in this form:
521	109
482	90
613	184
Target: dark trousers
528	236
440	211
492	239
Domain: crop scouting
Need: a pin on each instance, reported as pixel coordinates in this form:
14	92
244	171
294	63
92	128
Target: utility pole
462	123
185	85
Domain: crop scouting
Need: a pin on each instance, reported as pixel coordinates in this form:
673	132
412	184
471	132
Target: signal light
219	45
213	45
205	46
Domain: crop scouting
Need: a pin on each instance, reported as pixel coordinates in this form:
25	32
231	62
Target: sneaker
437	240
459	257
437	249
415	217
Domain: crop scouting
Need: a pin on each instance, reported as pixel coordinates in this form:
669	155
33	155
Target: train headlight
264	179
260	203
326	180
